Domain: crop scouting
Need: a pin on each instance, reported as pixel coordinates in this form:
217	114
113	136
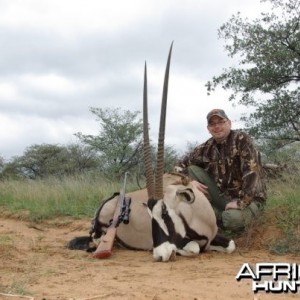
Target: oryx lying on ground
170	216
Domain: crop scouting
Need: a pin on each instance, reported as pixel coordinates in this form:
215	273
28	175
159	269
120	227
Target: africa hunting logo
272	277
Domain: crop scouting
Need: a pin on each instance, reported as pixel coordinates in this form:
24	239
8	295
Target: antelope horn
147	149
161	137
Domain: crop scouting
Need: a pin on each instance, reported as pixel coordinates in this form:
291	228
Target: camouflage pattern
234	165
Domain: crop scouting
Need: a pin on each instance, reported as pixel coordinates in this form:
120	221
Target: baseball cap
216	112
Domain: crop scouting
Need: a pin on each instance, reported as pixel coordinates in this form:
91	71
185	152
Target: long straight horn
161	137
147	149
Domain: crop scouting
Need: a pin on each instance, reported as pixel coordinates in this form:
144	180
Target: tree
41	161
268	74
119	142
81	158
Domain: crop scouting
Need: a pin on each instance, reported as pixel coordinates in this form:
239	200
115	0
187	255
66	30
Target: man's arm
191	158
253	185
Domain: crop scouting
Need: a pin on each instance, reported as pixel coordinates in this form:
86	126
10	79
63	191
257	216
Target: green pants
231	219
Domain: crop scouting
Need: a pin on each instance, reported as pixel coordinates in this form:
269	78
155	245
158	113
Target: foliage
171	156
119	142
40	161
277	120
284	205
288	155
1	163
268	72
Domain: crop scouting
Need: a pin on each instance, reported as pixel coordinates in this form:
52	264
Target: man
228	170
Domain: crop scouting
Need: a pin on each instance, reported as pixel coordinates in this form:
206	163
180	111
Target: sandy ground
35	264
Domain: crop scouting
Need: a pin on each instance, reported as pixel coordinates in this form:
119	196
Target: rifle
121	214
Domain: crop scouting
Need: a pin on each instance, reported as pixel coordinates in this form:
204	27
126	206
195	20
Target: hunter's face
219	128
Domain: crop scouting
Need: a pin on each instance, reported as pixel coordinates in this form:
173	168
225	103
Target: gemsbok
170	216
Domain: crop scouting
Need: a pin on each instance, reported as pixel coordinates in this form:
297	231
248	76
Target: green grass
283	208
79	197
45	199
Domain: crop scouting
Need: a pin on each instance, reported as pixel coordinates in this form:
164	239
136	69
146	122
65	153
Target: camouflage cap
216	112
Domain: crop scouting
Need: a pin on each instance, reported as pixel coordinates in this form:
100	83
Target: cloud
63	57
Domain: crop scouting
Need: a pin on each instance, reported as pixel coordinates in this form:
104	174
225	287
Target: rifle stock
104	249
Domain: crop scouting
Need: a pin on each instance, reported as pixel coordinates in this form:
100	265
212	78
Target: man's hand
200	186
232	205
177	169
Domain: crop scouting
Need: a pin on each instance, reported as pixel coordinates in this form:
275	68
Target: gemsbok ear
186	195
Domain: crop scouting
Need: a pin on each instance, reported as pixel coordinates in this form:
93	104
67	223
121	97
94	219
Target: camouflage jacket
234	165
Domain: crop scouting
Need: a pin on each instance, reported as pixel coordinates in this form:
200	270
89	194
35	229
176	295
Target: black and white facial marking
162	231
170	230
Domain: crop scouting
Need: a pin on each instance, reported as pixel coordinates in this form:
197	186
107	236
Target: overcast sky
58	58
